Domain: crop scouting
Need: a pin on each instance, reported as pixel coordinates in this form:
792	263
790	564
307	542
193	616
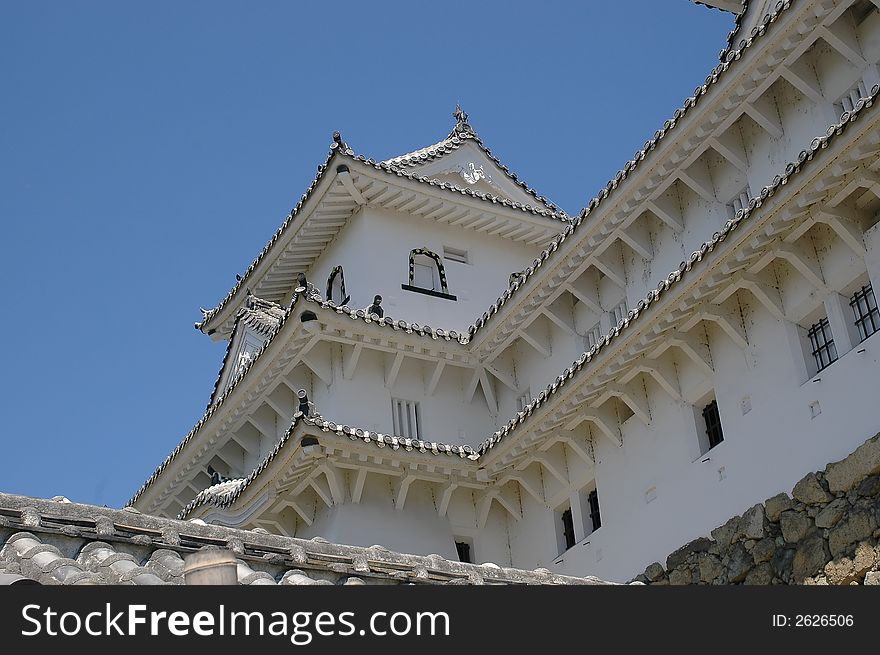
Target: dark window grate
713	424
593	502
864	306
568	528
822	343
464	551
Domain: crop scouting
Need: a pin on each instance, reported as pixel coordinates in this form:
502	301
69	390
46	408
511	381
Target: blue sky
149	150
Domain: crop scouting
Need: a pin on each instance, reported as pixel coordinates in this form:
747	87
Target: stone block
857	526
795	526
760	575
678	557
710	568
764	550
849	472
832	513
809	491
752	524
775	506
723	535
872	578
739	563
680	577
809	558
655	571
869	487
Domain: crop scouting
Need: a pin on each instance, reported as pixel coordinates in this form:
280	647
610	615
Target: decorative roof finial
460	116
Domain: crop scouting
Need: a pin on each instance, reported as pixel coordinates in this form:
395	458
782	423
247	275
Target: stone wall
826	532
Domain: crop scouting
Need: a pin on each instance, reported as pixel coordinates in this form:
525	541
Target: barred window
864	306
822	343
464	551
593	336
407	418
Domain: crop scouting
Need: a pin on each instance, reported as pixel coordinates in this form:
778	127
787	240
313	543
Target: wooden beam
530	481
483	507
697	177
580	445
510	502
320	368
603	418
446	497
392	371
638	238
402	490
488	392
435	377
323	490
348	183
841	35
334	482
611	264
587	292
634	398
696	350
357	488
664	209
729	145
763	111
507	378
805	263
539	343
663	374
296	507
802	76
844	227
561	315
350	360
471	388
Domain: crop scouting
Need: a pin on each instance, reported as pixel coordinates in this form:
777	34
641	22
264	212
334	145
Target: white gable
468	166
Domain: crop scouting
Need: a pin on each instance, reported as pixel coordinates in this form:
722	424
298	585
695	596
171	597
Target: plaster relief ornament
473	175
244	358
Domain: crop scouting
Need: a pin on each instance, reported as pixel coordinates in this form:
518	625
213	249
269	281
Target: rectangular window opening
593	505
455	254
822	345
865	312
406	416
464	551
712	420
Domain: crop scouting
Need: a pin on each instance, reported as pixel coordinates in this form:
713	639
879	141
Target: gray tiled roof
794	167
340	149
72	544
628	168
225	494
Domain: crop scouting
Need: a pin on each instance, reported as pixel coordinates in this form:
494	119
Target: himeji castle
430	355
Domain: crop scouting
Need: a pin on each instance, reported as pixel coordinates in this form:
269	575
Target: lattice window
822	343
864	306
593	336
851	98
618	313
407	418
740	201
